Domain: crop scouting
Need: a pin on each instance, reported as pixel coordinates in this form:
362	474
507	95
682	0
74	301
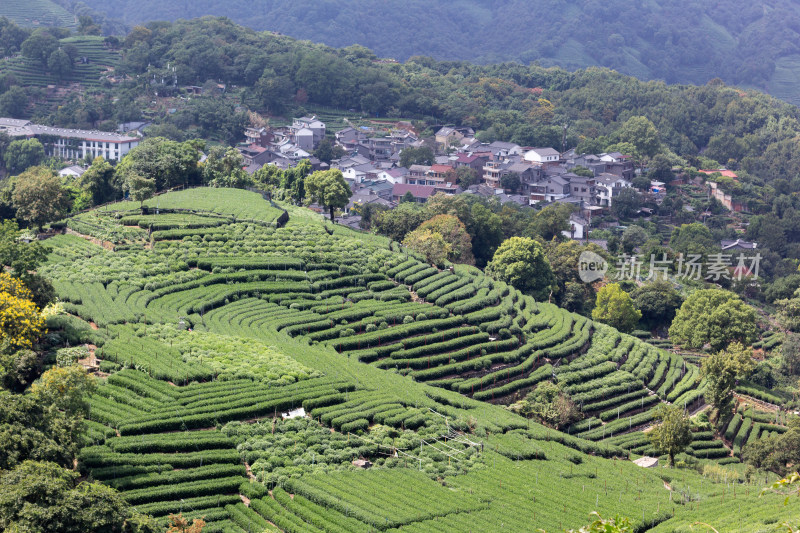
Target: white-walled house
608	186
542	155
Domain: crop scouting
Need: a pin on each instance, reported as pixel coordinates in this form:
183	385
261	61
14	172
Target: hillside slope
746	43
36	13
217	324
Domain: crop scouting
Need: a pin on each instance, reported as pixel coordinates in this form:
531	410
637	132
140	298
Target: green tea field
246	362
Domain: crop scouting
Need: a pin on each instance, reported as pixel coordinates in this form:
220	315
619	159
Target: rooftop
419	191
24	128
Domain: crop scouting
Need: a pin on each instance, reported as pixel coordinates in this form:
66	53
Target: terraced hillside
88	72
34	13
207	326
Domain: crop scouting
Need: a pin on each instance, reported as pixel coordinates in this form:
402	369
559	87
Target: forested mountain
679	41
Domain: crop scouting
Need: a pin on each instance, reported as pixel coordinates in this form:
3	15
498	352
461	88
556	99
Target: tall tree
713	317
39	196
328	188
521	262
642	133
616	308
658	302
167	163
98	181
398	222
140	188
422	155
626	203
442	237
42	496
23	154
673	433
721	371
551	221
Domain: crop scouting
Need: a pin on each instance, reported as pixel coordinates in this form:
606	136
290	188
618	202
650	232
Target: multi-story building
69	143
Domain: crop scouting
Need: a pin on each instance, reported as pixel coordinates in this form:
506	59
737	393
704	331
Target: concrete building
69	143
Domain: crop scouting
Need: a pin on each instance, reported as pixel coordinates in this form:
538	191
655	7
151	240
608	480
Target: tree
661	169
87	26
658	301
442	237
66	389
430	244
14	101
39	197
626	203
674	432
564	257
167	163
642	183
694	238
466	176
42	496
632	238
789	312
326	151
511	182
98	181
328	188
422	155
223	168
642	134
522	263
23	154
549	405
293	181
23	259
616	308
59	64
407	198
39	46
551	221
790	354
140	188
721	371
398	222
21	323
713	317
487	232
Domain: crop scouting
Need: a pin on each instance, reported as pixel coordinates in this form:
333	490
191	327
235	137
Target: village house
75	171
582	188
738	245
421	193
608	186
394	175
542	156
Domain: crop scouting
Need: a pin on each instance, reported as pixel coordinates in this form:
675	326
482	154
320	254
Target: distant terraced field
34	13
100	59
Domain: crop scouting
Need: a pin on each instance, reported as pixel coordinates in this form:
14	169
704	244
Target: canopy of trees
616	308
521	262
713	317
678	41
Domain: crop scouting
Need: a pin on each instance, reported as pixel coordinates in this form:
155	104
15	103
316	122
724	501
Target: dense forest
745	43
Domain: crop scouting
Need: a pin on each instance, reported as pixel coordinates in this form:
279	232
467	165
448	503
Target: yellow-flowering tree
14	286
21	323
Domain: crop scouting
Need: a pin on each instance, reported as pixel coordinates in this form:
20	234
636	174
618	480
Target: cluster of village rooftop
372	166
373	170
